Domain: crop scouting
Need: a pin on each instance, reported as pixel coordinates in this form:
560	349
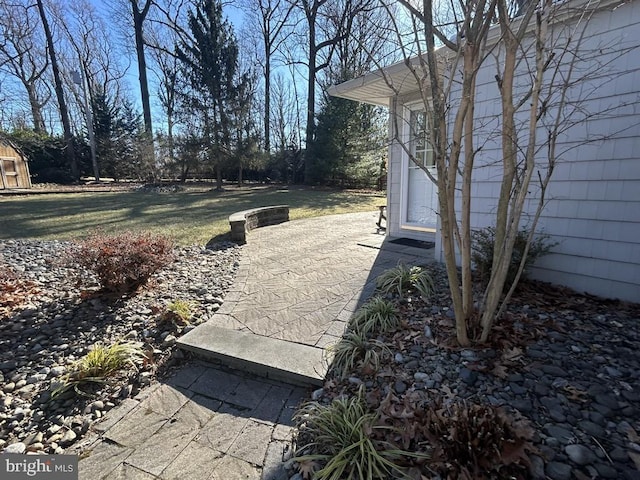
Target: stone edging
243	222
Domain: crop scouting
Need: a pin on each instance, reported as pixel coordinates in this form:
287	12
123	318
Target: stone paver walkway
301	281
204	423
298	282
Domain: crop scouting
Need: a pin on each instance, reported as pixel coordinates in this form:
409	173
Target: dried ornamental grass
99	363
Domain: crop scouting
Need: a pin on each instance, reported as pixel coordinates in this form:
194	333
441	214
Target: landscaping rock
558	471
66	315
580	454
17	447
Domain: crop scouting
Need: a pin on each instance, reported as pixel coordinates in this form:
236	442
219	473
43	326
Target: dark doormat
410	242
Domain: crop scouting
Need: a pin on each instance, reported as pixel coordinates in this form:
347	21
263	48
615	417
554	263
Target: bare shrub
124	261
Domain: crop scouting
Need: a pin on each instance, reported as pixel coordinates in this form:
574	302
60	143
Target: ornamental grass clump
124	261
178	312
377	315
354	352
98	364
344	440
402	278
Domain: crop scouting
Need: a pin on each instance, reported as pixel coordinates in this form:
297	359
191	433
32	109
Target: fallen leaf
632	435
512	354
576	394
636	459
307	468
500	371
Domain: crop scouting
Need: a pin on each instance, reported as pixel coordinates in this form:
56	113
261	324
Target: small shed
14	169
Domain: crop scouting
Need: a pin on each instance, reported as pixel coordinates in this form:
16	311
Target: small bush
125	261
403	278
377	315
482	252
98	364
353	351
340	442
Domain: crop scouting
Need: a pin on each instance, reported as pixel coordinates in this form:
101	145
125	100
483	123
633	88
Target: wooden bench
243	222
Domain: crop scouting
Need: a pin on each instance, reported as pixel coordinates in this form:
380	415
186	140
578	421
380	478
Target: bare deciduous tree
272	18
327	23
139	15
62	104
23	56
538	63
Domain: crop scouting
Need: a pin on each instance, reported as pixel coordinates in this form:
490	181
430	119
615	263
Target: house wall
593	207
394	175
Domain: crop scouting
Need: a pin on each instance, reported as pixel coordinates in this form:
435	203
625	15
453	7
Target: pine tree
348	149
210	64
117	130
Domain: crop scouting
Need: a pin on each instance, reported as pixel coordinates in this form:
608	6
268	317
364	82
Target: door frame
407	109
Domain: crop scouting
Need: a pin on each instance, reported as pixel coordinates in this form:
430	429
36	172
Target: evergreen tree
117	130
210	64
348	149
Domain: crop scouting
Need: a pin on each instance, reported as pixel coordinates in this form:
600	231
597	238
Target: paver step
288	362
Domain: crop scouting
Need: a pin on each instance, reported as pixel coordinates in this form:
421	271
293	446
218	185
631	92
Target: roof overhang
402	78
378	87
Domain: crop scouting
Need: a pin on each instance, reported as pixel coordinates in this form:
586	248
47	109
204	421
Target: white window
421	147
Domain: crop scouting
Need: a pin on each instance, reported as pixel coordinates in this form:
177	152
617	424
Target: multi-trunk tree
23	56
539	65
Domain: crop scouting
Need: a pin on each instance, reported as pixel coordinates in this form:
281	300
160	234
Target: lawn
193	216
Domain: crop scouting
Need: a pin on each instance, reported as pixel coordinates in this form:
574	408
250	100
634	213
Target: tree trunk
510	207
170	141
36	110
64	114
446	176
218	177
267	100
138	23
470	58
311	103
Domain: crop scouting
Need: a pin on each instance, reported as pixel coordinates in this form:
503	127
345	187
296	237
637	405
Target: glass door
420	199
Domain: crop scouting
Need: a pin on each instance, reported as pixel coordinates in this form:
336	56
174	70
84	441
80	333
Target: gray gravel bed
577	381
65	315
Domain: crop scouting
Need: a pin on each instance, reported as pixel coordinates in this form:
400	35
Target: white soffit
375	87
